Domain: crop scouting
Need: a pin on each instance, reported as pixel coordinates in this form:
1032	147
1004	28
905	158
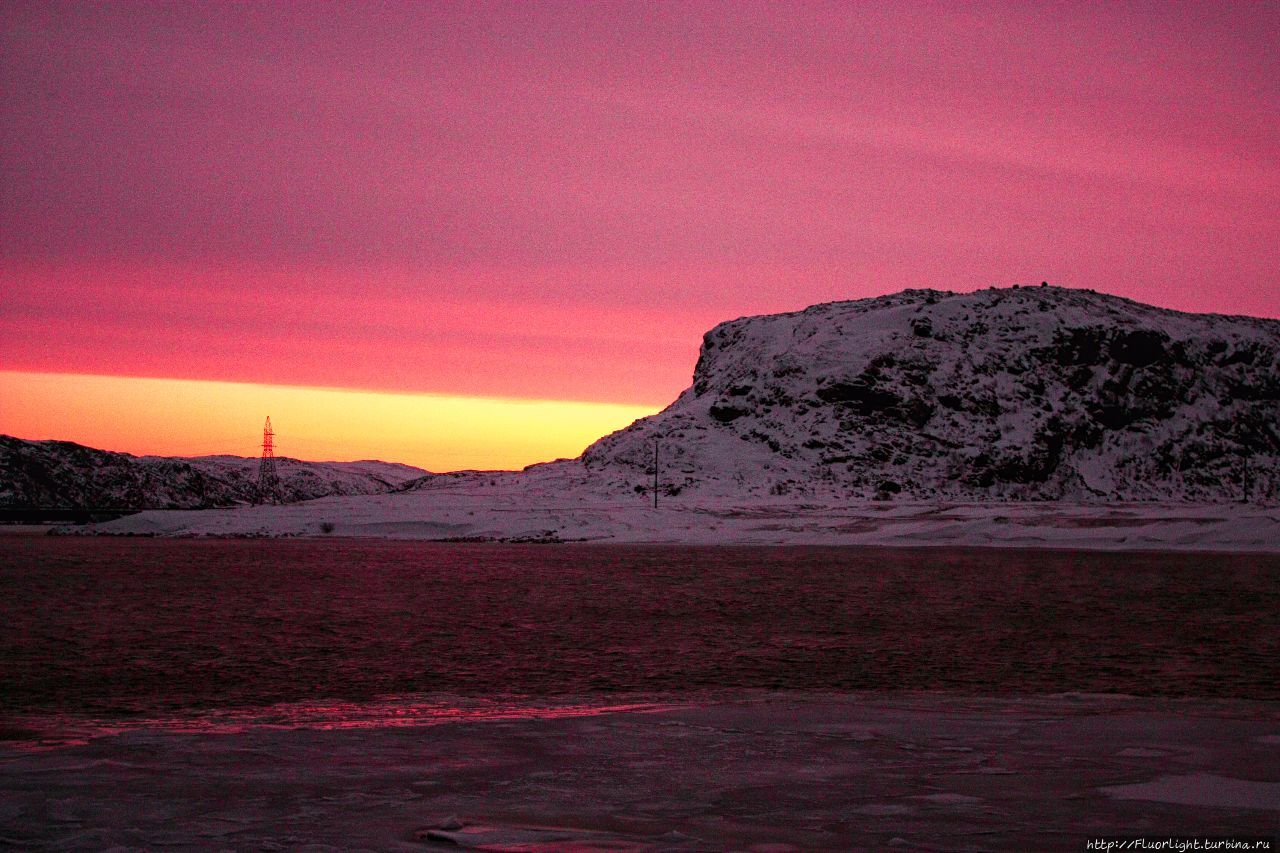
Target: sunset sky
482	234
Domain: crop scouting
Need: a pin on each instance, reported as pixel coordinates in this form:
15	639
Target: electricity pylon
268	480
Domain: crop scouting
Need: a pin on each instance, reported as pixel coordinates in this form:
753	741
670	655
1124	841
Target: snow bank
550	504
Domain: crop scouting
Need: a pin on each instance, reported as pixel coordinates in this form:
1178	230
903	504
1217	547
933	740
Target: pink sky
554	200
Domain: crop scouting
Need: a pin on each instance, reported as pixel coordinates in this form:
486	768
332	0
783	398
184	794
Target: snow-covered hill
1029	417
1007	394
64	474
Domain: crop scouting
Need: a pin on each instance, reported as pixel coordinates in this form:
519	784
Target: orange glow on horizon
180	417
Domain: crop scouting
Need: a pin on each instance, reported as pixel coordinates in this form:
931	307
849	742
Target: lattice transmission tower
268	479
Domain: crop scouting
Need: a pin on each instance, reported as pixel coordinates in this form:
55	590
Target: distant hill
50	474
1009	394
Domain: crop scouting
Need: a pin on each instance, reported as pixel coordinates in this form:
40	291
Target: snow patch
1203	789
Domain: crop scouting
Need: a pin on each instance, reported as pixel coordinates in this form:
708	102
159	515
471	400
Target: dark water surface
138	626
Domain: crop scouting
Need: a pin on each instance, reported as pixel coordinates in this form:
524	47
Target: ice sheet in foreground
1203	789
777	772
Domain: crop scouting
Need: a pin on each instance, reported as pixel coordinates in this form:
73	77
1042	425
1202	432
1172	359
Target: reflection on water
52	731
119	629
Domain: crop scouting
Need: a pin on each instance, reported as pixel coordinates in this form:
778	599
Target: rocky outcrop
1018	393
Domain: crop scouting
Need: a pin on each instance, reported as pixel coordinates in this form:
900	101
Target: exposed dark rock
724	414
1079	346
1139	347
861	395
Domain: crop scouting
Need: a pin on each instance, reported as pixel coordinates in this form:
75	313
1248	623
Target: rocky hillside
1011	394
61	474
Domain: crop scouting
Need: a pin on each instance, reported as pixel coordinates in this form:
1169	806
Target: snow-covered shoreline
525	507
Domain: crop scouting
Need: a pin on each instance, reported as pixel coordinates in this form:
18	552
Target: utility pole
655	472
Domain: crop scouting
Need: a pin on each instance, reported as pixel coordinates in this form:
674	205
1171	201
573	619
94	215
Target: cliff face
1020	393
63	474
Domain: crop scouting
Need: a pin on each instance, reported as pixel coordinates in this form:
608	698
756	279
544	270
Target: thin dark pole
655	472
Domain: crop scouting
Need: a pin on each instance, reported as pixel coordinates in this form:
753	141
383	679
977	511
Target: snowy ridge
1035	418
65	474
1039	393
